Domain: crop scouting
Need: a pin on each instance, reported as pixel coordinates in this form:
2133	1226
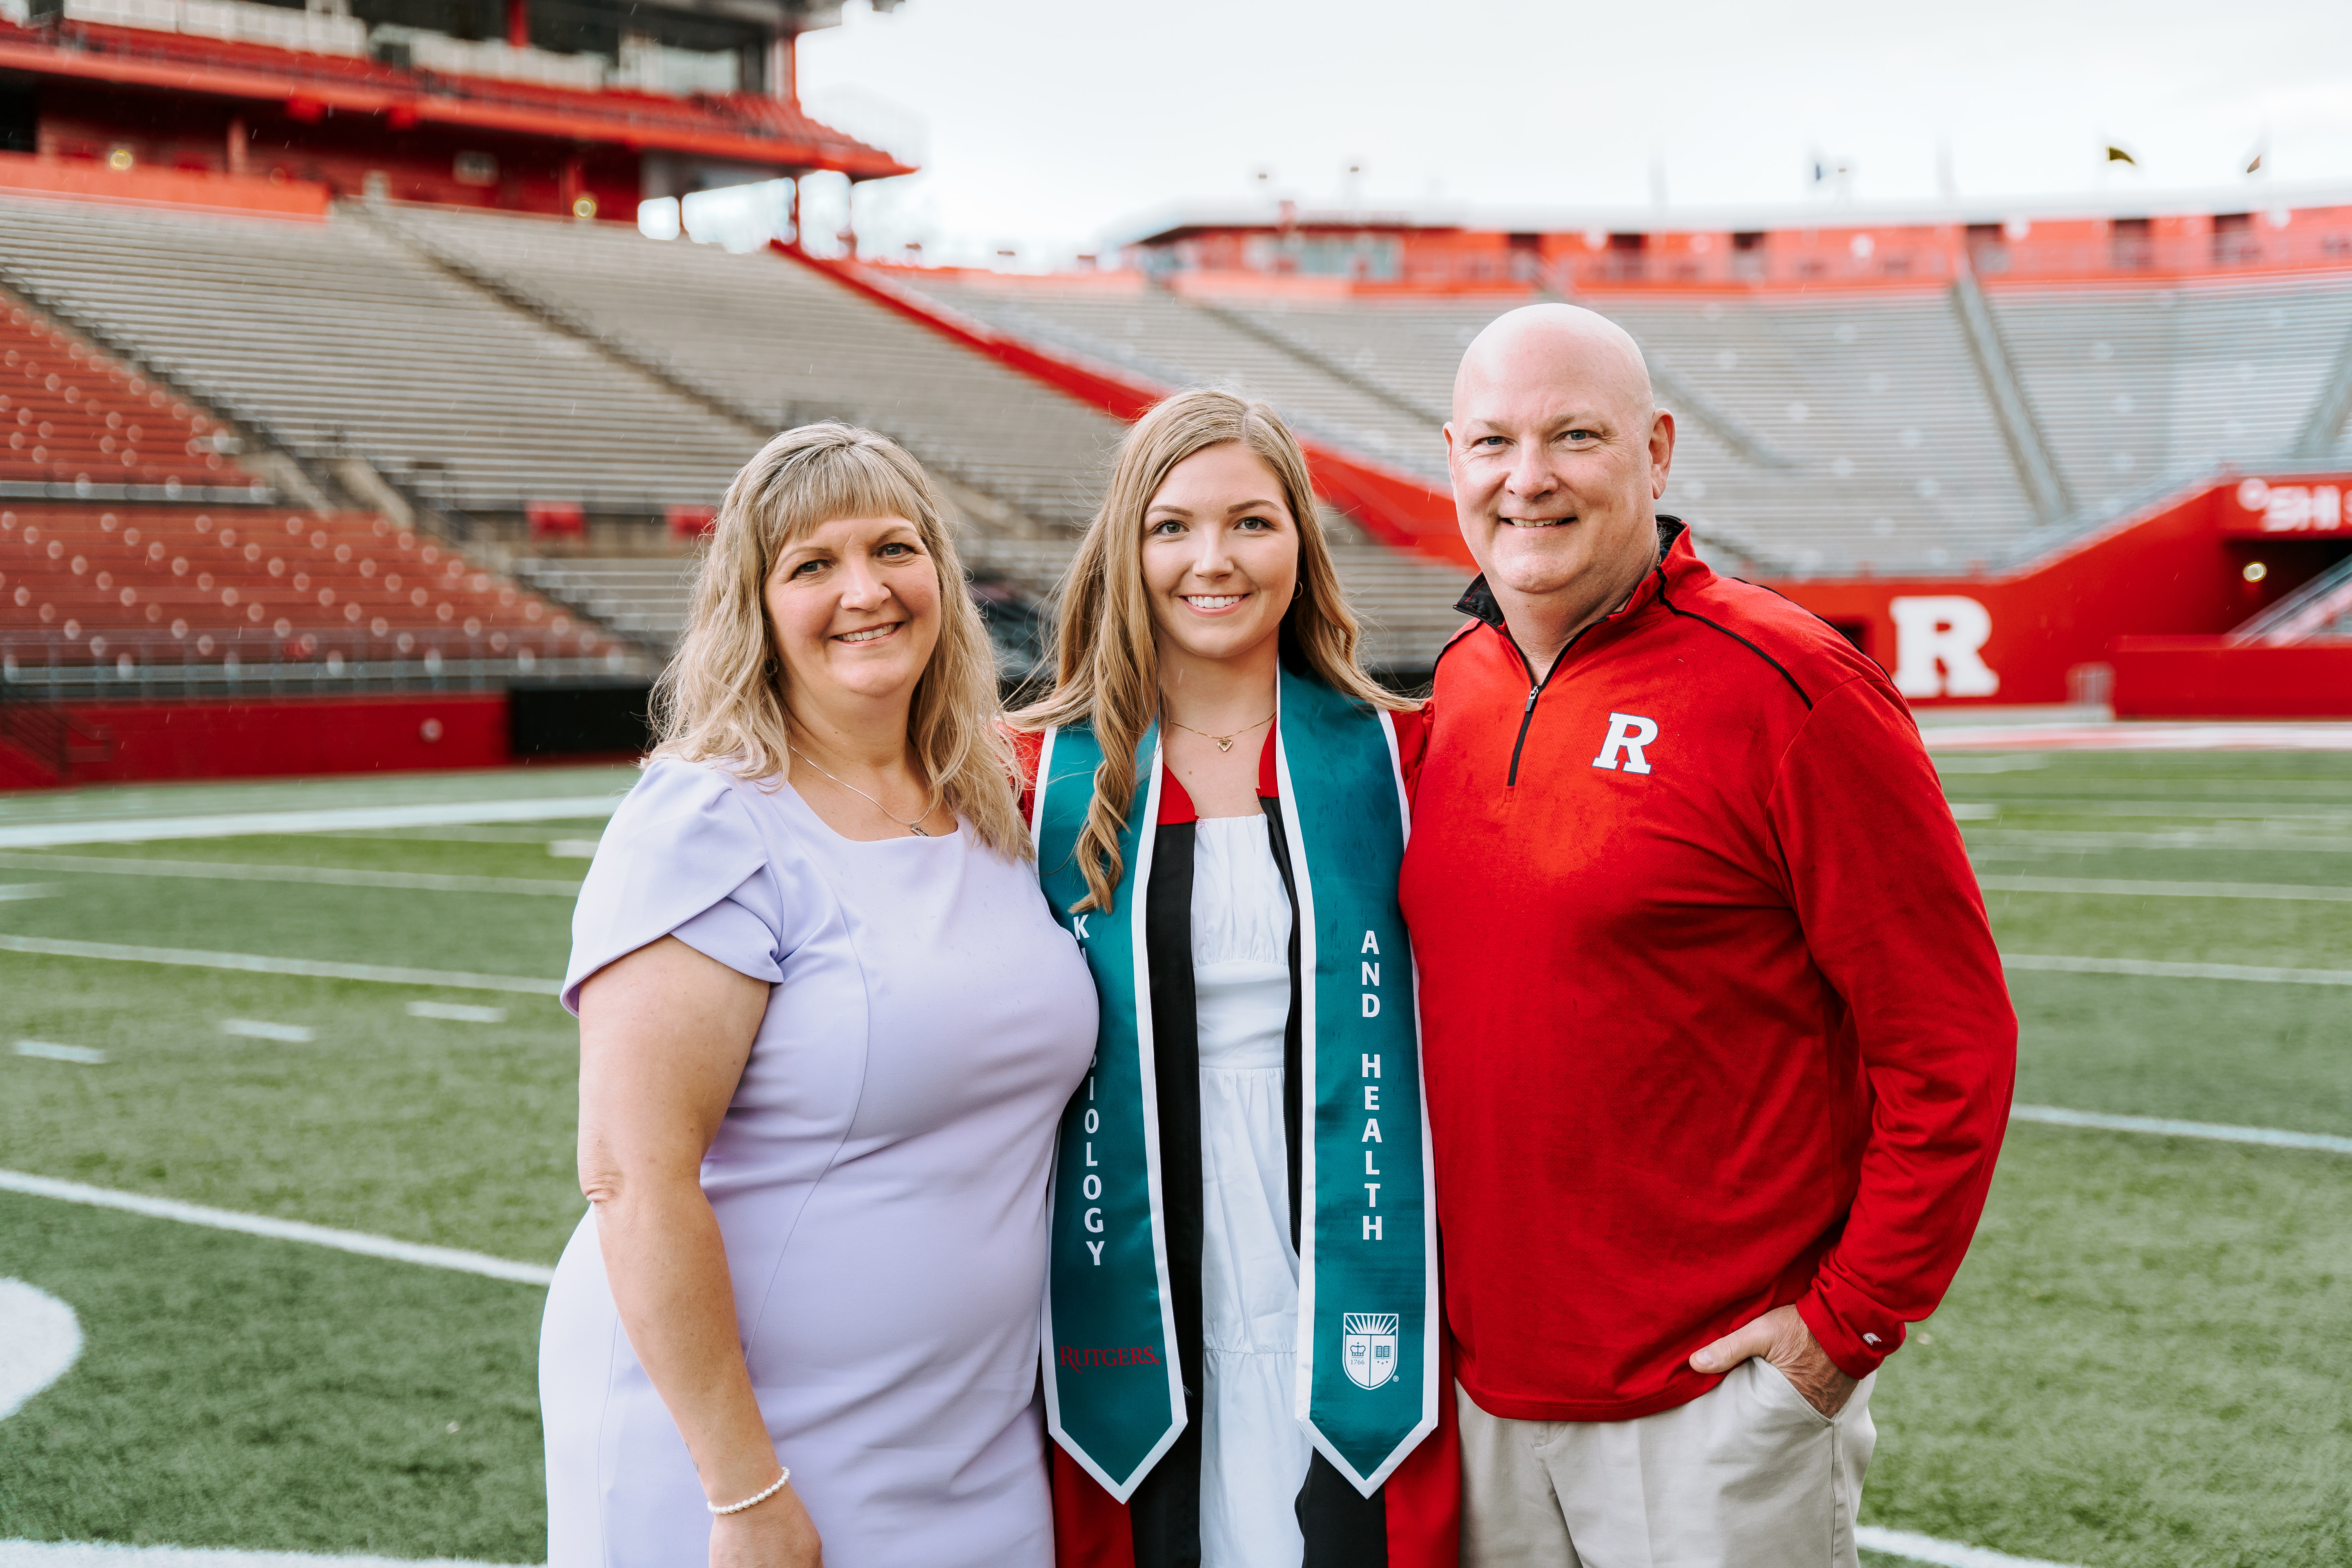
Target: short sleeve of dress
681	858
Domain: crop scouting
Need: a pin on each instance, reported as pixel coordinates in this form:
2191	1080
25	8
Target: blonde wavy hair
1106	654
725	696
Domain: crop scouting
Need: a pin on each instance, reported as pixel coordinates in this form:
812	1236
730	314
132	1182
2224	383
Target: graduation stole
1368	1317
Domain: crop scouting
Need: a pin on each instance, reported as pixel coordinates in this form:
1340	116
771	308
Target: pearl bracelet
755	1498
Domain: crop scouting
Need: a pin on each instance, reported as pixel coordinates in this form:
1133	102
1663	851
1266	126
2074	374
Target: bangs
818	486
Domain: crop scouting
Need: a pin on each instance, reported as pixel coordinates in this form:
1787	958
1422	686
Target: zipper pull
1533	692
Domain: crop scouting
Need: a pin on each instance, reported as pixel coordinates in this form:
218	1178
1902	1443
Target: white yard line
50	1050
367	1245
104	1554
2270	1137
258	963
2165	889
141	830
330	876
1898	1544
2157	969
2140	736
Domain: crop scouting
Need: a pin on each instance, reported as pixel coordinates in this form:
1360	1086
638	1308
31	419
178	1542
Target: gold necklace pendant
1224	742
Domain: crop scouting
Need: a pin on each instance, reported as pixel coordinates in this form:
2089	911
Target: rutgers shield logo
1368	1347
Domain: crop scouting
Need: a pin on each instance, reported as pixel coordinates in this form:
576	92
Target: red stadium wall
2179	570
273	737
84	179
2212	678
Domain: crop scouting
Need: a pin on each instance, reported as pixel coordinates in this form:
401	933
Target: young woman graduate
1245	1364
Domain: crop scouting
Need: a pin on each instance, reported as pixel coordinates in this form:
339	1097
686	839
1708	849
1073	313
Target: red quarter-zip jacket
1712	1019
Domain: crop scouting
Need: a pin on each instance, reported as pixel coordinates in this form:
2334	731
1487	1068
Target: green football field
2143	1362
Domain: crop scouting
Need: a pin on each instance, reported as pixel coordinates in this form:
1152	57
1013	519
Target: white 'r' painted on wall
1936	643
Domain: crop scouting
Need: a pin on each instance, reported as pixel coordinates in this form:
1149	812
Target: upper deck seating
2136	387
335	339
782	343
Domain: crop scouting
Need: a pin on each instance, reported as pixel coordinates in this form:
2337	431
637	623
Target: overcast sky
1051	127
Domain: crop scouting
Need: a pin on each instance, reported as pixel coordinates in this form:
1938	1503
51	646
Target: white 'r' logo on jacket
1628	733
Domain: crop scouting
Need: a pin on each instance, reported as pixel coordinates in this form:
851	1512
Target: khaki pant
1746	1476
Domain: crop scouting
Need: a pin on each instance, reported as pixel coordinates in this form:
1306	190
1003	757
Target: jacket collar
1676	560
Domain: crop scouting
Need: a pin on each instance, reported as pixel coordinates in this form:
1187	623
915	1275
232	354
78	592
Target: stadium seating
69	416
186	584
779	344
333	338
1181	343
2142	388
1820	431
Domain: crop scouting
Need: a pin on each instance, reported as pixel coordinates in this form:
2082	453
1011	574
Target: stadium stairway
2319	611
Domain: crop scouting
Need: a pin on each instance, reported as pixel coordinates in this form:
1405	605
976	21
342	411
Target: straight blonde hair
1107	655
725	696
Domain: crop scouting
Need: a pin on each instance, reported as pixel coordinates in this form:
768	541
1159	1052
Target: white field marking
2178	839
573	849
257	963
2226	810
2165	889
1974	811
49	1050
2141	737
459	1010
28	891
366	1246
105	1554
331	876
39	1338
2030	761
2273	1137
256	1029
141	830
1900	1543
2158	969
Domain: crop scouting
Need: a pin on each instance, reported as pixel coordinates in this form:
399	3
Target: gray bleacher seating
336	338
782	343
1822	432
2145	386
1178	342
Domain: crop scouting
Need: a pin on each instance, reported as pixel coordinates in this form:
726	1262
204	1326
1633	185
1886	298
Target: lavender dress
879	1180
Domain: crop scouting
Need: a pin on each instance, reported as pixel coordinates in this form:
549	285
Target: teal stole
1368	1319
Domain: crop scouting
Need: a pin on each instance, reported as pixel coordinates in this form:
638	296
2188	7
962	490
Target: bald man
1718	1050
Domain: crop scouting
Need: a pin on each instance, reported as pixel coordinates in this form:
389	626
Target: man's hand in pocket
1780	1337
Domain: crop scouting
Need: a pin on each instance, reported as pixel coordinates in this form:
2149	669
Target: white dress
1254	1453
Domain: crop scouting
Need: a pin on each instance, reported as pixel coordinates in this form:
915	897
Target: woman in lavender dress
827	1027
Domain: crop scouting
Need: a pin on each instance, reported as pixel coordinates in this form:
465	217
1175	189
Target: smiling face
1557	453
1220	555
854	610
